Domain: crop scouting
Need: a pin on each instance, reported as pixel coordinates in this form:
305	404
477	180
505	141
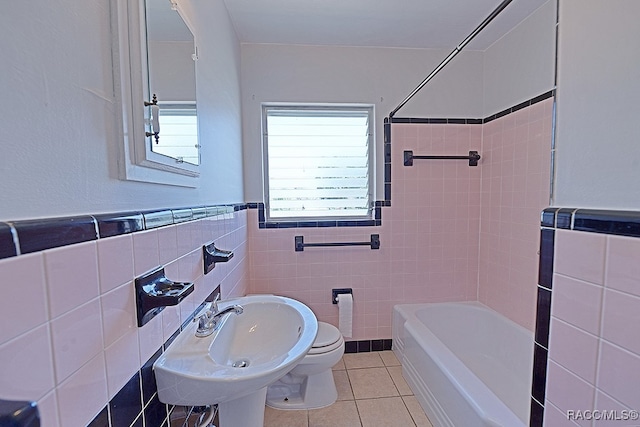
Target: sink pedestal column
246	411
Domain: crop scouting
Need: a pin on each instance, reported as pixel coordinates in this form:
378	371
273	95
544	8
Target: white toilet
310	384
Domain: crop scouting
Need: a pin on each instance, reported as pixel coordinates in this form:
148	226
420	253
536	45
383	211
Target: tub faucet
209	321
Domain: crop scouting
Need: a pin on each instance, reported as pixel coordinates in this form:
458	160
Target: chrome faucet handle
214	304
209	321
203	319
206	324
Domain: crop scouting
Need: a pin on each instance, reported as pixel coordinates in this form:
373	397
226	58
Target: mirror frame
136	161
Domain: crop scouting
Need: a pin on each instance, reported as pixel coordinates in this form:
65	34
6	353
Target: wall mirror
154	55
171	54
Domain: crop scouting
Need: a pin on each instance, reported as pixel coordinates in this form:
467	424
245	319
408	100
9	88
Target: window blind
178	133
318	162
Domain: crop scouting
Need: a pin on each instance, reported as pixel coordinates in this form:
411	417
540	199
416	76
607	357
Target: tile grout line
355	401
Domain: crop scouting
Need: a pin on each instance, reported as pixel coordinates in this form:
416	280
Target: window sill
318	224
264	223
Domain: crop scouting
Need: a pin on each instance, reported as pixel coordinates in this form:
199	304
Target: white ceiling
380	23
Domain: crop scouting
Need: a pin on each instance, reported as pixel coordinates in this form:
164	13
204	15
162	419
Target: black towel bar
300	244
473	158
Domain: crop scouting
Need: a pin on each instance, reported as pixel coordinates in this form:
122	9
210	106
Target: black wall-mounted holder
154	292
19	414
211	255
338	291
473	158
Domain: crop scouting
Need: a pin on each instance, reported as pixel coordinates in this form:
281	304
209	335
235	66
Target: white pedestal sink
233	366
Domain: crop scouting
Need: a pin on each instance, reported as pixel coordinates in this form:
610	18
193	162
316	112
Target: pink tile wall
594	337
429	240
453	232
69	331
516	152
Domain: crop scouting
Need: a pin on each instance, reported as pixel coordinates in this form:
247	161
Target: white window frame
369	109
136	160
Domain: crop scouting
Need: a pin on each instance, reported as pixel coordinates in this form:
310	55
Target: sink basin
248	352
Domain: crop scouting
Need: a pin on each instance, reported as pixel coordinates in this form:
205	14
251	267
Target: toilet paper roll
345	318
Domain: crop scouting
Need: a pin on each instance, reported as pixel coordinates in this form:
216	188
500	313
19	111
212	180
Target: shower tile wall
594	343
69	336
428	238
446	221
516	152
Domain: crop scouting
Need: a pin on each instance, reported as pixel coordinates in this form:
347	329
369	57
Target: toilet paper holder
338	291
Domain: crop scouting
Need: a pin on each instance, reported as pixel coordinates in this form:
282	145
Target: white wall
58	139
598	130
379	76
172	71
521	65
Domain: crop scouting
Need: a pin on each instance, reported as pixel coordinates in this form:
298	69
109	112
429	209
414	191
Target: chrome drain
242	363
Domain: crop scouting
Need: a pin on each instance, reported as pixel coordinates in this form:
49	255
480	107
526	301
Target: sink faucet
209	321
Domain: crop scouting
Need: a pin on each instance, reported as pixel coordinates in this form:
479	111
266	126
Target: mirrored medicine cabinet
155	55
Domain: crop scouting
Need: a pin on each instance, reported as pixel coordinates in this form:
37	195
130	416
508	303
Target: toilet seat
328	339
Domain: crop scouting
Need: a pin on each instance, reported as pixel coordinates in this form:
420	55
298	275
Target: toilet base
316	391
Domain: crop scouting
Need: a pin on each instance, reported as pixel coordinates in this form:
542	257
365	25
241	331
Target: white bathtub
467	365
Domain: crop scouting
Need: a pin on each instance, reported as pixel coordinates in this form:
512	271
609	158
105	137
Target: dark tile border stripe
126	405
181	215
101	420
40	234
520	106
155	219
263	223
619	223
7	245
563	218
366	346
548	217
33	235
432	121
110	225
537	414
543	316
539	380
387	163
545	265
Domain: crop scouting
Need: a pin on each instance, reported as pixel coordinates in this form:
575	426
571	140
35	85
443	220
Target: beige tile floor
371	393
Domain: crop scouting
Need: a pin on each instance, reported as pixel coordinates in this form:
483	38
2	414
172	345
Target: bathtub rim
492	410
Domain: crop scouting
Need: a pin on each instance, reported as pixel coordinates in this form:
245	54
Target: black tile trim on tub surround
458	121
435	121
34	235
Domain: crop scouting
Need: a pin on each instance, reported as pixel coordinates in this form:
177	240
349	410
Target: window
318	162
179	137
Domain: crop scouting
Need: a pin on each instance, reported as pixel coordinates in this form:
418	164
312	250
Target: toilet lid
327	335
